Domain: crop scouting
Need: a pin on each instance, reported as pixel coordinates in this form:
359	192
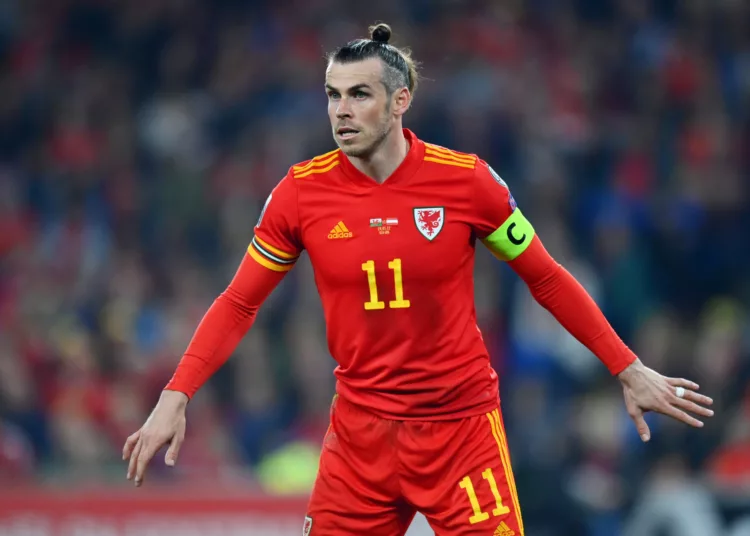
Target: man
390	225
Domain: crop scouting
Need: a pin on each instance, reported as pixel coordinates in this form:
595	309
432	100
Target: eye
333	95
360	95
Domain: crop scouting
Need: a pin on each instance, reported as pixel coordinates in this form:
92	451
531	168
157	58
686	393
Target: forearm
223	326
225	323
562	295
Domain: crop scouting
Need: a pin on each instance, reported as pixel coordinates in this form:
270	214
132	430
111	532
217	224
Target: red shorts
375	474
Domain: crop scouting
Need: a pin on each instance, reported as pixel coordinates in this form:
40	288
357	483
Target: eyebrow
352	89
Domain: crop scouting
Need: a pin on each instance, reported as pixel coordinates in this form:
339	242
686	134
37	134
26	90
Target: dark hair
400	69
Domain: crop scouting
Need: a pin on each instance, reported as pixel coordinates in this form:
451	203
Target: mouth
346	133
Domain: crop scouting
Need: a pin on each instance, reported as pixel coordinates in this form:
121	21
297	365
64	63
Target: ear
401	101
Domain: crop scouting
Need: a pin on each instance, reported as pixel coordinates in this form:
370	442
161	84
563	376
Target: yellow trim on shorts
502	445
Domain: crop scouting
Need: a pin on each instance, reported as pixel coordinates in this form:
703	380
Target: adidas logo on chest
339	231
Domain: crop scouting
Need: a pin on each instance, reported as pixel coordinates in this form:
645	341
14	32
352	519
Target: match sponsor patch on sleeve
497	177
511	238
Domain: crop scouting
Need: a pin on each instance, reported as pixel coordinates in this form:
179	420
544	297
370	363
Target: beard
368	148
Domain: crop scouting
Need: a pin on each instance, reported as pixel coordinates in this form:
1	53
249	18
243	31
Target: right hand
165	426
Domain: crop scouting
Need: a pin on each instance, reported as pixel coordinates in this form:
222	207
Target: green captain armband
512	238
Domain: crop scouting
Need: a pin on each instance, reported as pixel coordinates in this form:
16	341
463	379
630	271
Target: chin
353	149
356	152
349	150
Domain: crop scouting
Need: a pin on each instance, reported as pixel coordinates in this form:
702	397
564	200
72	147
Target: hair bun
380	33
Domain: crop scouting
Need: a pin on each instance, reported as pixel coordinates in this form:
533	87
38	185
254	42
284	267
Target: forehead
344	75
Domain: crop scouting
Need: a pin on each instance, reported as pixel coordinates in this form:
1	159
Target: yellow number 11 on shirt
398	281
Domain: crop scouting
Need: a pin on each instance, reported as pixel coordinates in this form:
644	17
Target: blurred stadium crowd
140	138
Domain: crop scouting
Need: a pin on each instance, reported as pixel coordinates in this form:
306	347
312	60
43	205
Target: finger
134	458
143	460
680	415
130	442
698	398
682	382
692	407
174	449
641	426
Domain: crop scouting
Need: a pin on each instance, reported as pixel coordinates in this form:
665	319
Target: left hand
647	390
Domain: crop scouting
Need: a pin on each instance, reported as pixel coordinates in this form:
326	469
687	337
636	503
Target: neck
383	162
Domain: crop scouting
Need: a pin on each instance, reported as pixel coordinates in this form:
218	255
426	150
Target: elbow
238	302
551	274
547	283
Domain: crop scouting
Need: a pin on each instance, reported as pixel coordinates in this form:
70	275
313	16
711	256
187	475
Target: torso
393	263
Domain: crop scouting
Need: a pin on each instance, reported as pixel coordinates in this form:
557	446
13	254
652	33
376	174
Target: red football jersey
393	264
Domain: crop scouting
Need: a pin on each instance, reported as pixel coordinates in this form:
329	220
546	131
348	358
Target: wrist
631	371
176	399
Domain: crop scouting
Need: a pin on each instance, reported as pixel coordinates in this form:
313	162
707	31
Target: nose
343	109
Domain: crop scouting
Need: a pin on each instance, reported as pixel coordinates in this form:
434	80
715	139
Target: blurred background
139	140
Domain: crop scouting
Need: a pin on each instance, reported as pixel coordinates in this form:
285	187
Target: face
362	113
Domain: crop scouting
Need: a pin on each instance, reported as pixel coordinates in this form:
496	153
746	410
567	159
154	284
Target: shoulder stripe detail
459	159
325	155
268	247
443	152
318	161
312	171
315	163
266	263
449	162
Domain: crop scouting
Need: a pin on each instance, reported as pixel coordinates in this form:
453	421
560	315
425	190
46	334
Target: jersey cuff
271	257
511	238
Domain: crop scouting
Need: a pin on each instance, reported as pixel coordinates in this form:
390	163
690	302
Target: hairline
387	73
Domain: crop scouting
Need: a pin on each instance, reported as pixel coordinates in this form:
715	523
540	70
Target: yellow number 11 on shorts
479	516
500	509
